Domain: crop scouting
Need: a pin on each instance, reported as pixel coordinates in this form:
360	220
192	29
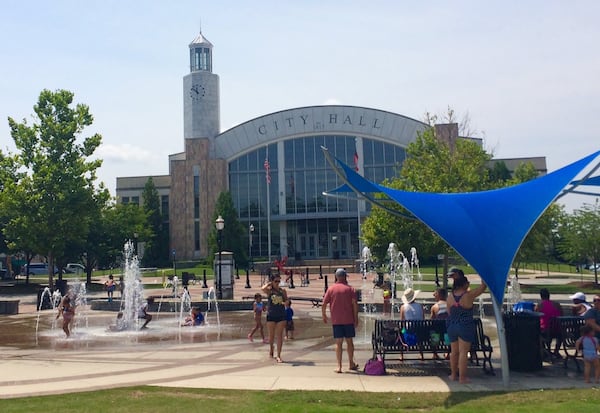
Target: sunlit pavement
52	364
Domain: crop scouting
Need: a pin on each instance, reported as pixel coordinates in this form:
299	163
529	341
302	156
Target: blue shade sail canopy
593	181
486	228
587	181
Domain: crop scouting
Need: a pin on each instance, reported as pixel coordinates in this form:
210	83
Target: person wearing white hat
580	305
411	310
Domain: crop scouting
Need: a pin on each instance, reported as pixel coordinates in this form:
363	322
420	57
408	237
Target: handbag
375	367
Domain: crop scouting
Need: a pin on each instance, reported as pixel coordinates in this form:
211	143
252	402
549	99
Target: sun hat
578	296
409	295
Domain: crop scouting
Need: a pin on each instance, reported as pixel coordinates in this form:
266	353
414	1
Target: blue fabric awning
486	228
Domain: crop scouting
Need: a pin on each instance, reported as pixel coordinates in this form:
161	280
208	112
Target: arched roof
310	120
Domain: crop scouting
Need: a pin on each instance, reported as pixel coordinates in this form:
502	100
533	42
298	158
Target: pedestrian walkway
309	361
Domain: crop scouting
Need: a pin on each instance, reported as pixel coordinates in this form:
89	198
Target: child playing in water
119	324
110	287
196	318
588	344
257	309
66	309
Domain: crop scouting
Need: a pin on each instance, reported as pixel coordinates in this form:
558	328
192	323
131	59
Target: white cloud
126	152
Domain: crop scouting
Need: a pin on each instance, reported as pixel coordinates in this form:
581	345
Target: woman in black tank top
276	320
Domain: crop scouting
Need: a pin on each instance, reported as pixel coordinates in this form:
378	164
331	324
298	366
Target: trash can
185	279
522	330
44	300
61	285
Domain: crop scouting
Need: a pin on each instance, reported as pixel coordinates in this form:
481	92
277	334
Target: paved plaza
37	359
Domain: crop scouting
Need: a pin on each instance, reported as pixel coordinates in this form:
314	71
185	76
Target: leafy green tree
431	166
499	173
120	223
233	236
156	253
8	177
539	243
52	205
580	236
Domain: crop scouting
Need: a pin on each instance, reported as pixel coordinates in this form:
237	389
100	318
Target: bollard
292	280
204	279
307	279
320	272
326	286
237	273
247	279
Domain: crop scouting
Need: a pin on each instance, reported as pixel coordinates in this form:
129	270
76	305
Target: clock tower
196	172
201	118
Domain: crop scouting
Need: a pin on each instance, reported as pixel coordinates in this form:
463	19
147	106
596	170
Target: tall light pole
220	224
135	246
251	229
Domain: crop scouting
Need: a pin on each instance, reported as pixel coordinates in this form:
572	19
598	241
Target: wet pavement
37	358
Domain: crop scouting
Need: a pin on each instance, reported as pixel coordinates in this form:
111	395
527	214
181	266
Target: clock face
197	92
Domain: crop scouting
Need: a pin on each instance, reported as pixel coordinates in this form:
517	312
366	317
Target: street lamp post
174	262
334	244
135	249
220	224
251	229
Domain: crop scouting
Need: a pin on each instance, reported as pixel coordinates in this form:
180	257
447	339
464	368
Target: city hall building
275	170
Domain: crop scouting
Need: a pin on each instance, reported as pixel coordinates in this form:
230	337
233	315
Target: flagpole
357	169
268	179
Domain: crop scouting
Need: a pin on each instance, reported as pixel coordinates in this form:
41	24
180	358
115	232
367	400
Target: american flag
267	171
356	161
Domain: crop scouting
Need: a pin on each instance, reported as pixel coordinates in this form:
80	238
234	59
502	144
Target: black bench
412	337
569	331
316	302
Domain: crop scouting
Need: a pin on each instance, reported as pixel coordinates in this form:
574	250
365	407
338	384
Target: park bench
316	302
569	327
416	337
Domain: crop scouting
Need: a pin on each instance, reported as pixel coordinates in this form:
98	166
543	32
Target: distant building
285	148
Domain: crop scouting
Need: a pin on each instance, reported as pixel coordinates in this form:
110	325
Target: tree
120	223
499	173
233	236
52	205
539	242
431	166
156	252
580	236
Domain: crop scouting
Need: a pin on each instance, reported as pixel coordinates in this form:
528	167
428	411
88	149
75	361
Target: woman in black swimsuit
276	319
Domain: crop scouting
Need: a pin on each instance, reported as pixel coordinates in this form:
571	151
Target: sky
524	73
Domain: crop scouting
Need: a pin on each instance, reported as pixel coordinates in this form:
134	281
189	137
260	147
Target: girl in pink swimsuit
257	308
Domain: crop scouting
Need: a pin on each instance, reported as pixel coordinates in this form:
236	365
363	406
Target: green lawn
160	399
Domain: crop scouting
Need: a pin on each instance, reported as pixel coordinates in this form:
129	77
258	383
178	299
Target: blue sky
525	72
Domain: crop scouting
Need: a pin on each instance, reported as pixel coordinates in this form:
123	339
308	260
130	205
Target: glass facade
311	224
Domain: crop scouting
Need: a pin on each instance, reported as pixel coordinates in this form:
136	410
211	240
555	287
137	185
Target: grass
160	399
